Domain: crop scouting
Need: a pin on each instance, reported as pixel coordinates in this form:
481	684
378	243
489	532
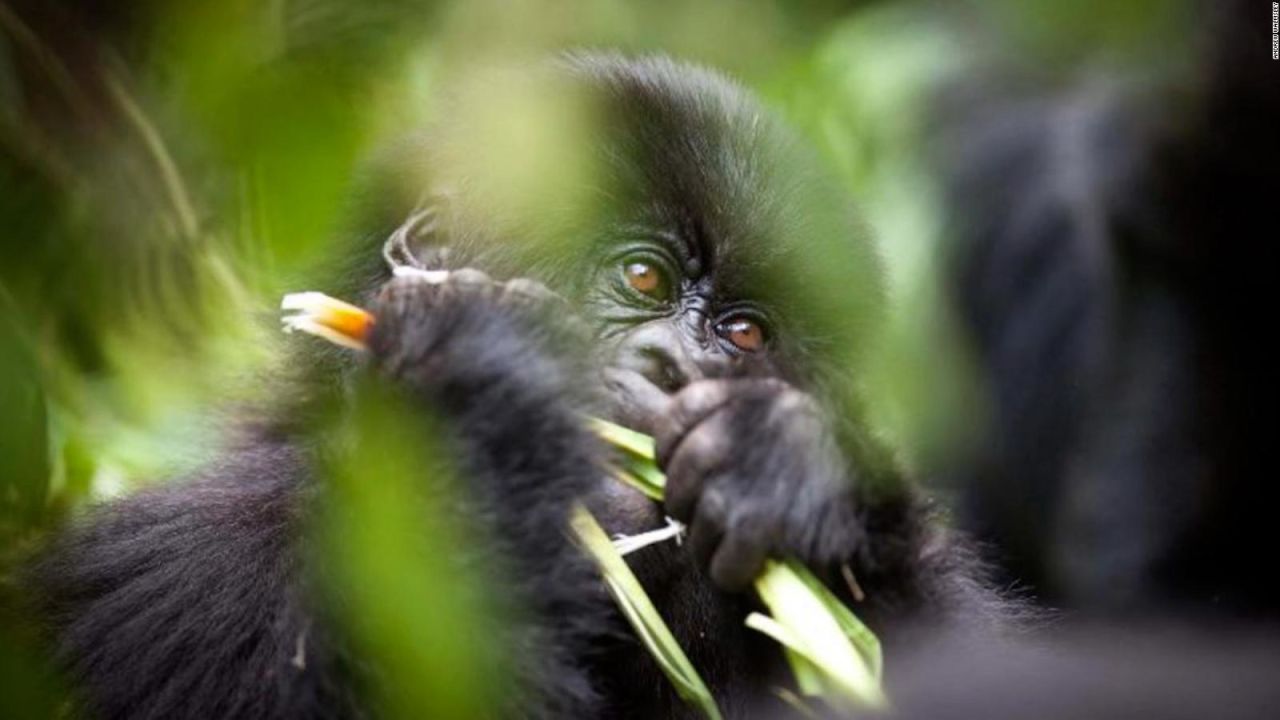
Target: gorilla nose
669	371
663	356
674	365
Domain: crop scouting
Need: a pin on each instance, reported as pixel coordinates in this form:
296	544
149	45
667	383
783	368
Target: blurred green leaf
24	430
402	570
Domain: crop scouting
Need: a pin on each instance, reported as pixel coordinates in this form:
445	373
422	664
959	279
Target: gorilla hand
754	470
468	339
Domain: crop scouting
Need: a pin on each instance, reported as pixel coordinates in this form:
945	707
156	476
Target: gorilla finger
470	276
470	280
642	402
698	400
700	454
738	560
396	299
687	408
707	530
524	291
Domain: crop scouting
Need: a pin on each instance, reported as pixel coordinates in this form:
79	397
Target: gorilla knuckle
707	445
699	397
526	290
713	506
469	278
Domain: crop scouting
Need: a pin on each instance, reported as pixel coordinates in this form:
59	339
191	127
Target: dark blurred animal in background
1108	259
1110	263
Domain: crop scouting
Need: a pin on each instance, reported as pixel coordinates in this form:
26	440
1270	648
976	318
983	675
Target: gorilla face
726	282
664	323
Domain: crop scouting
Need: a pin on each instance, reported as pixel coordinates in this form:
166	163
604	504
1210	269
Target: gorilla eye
745	334
645	278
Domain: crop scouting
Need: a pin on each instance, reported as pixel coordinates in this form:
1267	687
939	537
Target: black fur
189	600
182	601
1107	261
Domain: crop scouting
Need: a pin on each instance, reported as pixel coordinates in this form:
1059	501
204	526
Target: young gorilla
729	292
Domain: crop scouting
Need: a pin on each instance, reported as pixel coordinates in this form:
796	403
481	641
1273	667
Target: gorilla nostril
664	370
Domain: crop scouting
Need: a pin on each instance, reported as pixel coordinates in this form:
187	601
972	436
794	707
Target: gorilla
1103	267
1106	264
683	265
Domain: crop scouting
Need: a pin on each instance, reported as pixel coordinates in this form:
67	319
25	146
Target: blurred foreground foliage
398	561
168	169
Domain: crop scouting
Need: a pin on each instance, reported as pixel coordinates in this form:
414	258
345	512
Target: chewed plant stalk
326	317
832	654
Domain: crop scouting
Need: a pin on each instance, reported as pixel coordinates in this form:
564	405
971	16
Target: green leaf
628	478
805	617
643	616
646	476
808	676
638	444
865	641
